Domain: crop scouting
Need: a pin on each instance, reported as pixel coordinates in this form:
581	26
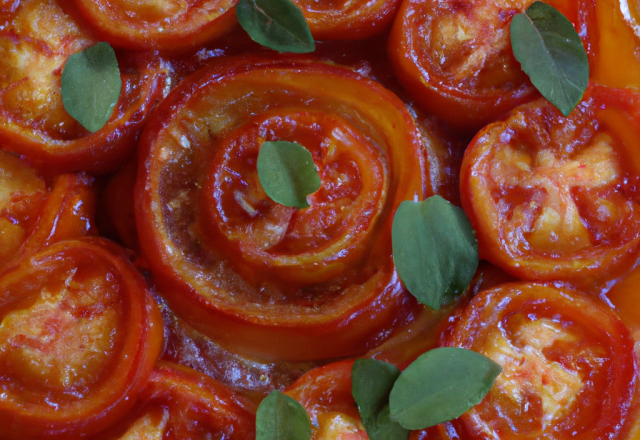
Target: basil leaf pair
439	386
276	24
91	85
551	53
281	417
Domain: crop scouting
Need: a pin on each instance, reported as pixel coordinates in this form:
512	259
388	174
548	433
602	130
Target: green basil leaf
551	53
434	249
276	24
91	86
440	385
281	417
287	173
371	383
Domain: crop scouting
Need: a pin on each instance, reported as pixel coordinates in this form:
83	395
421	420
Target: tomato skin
190	406
118	200
119	339
569	368
455	58
33	121
167	25
288	329
518	174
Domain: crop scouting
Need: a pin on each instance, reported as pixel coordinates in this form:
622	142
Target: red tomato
118	200
569	369
179	403
554	197
79	337
311	284
325	392
35	43
455	57
164	24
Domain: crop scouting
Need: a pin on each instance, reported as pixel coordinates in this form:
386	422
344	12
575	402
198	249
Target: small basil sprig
440	385
371	383
281	417
287	173
276	24
91	85
434	249
551	53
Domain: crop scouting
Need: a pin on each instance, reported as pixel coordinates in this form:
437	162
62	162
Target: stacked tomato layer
151	289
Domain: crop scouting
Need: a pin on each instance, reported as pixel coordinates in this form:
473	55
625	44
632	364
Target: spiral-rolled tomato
179	403
160	24
79	337
569	368
554	197
455	57
325	392
35	43
347	19
246	271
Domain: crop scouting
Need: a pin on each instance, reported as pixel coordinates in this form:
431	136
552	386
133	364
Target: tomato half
569	368
79	337
164	25
254	275
34	46
325	392
179	403
554	197
455	57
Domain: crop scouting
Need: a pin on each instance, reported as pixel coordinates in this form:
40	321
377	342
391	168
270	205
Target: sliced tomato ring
163	25
455	57
569	368
179	403
325	392
33	121
346	19
79	336
255	275
555	197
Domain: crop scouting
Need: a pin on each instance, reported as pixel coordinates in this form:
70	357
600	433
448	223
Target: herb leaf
281	417
287	173
440	385
434	249
91	86
276	24
371	383
551	53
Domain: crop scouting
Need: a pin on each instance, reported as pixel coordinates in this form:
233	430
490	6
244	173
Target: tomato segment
79	336
256	276
181	404
455	57
568	364
553	197
35	43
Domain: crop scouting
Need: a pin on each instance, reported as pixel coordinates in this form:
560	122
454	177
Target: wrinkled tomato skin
325	392
522	174
109	366
569	367
164	25
282	332
433	46
179	403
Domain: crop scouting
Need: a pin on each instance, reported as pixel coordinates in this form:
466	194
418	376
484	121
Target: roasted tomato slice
569	368
261	277
179	403
325	392
35	43
455	57
347	19
555	197
79	336
164	24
